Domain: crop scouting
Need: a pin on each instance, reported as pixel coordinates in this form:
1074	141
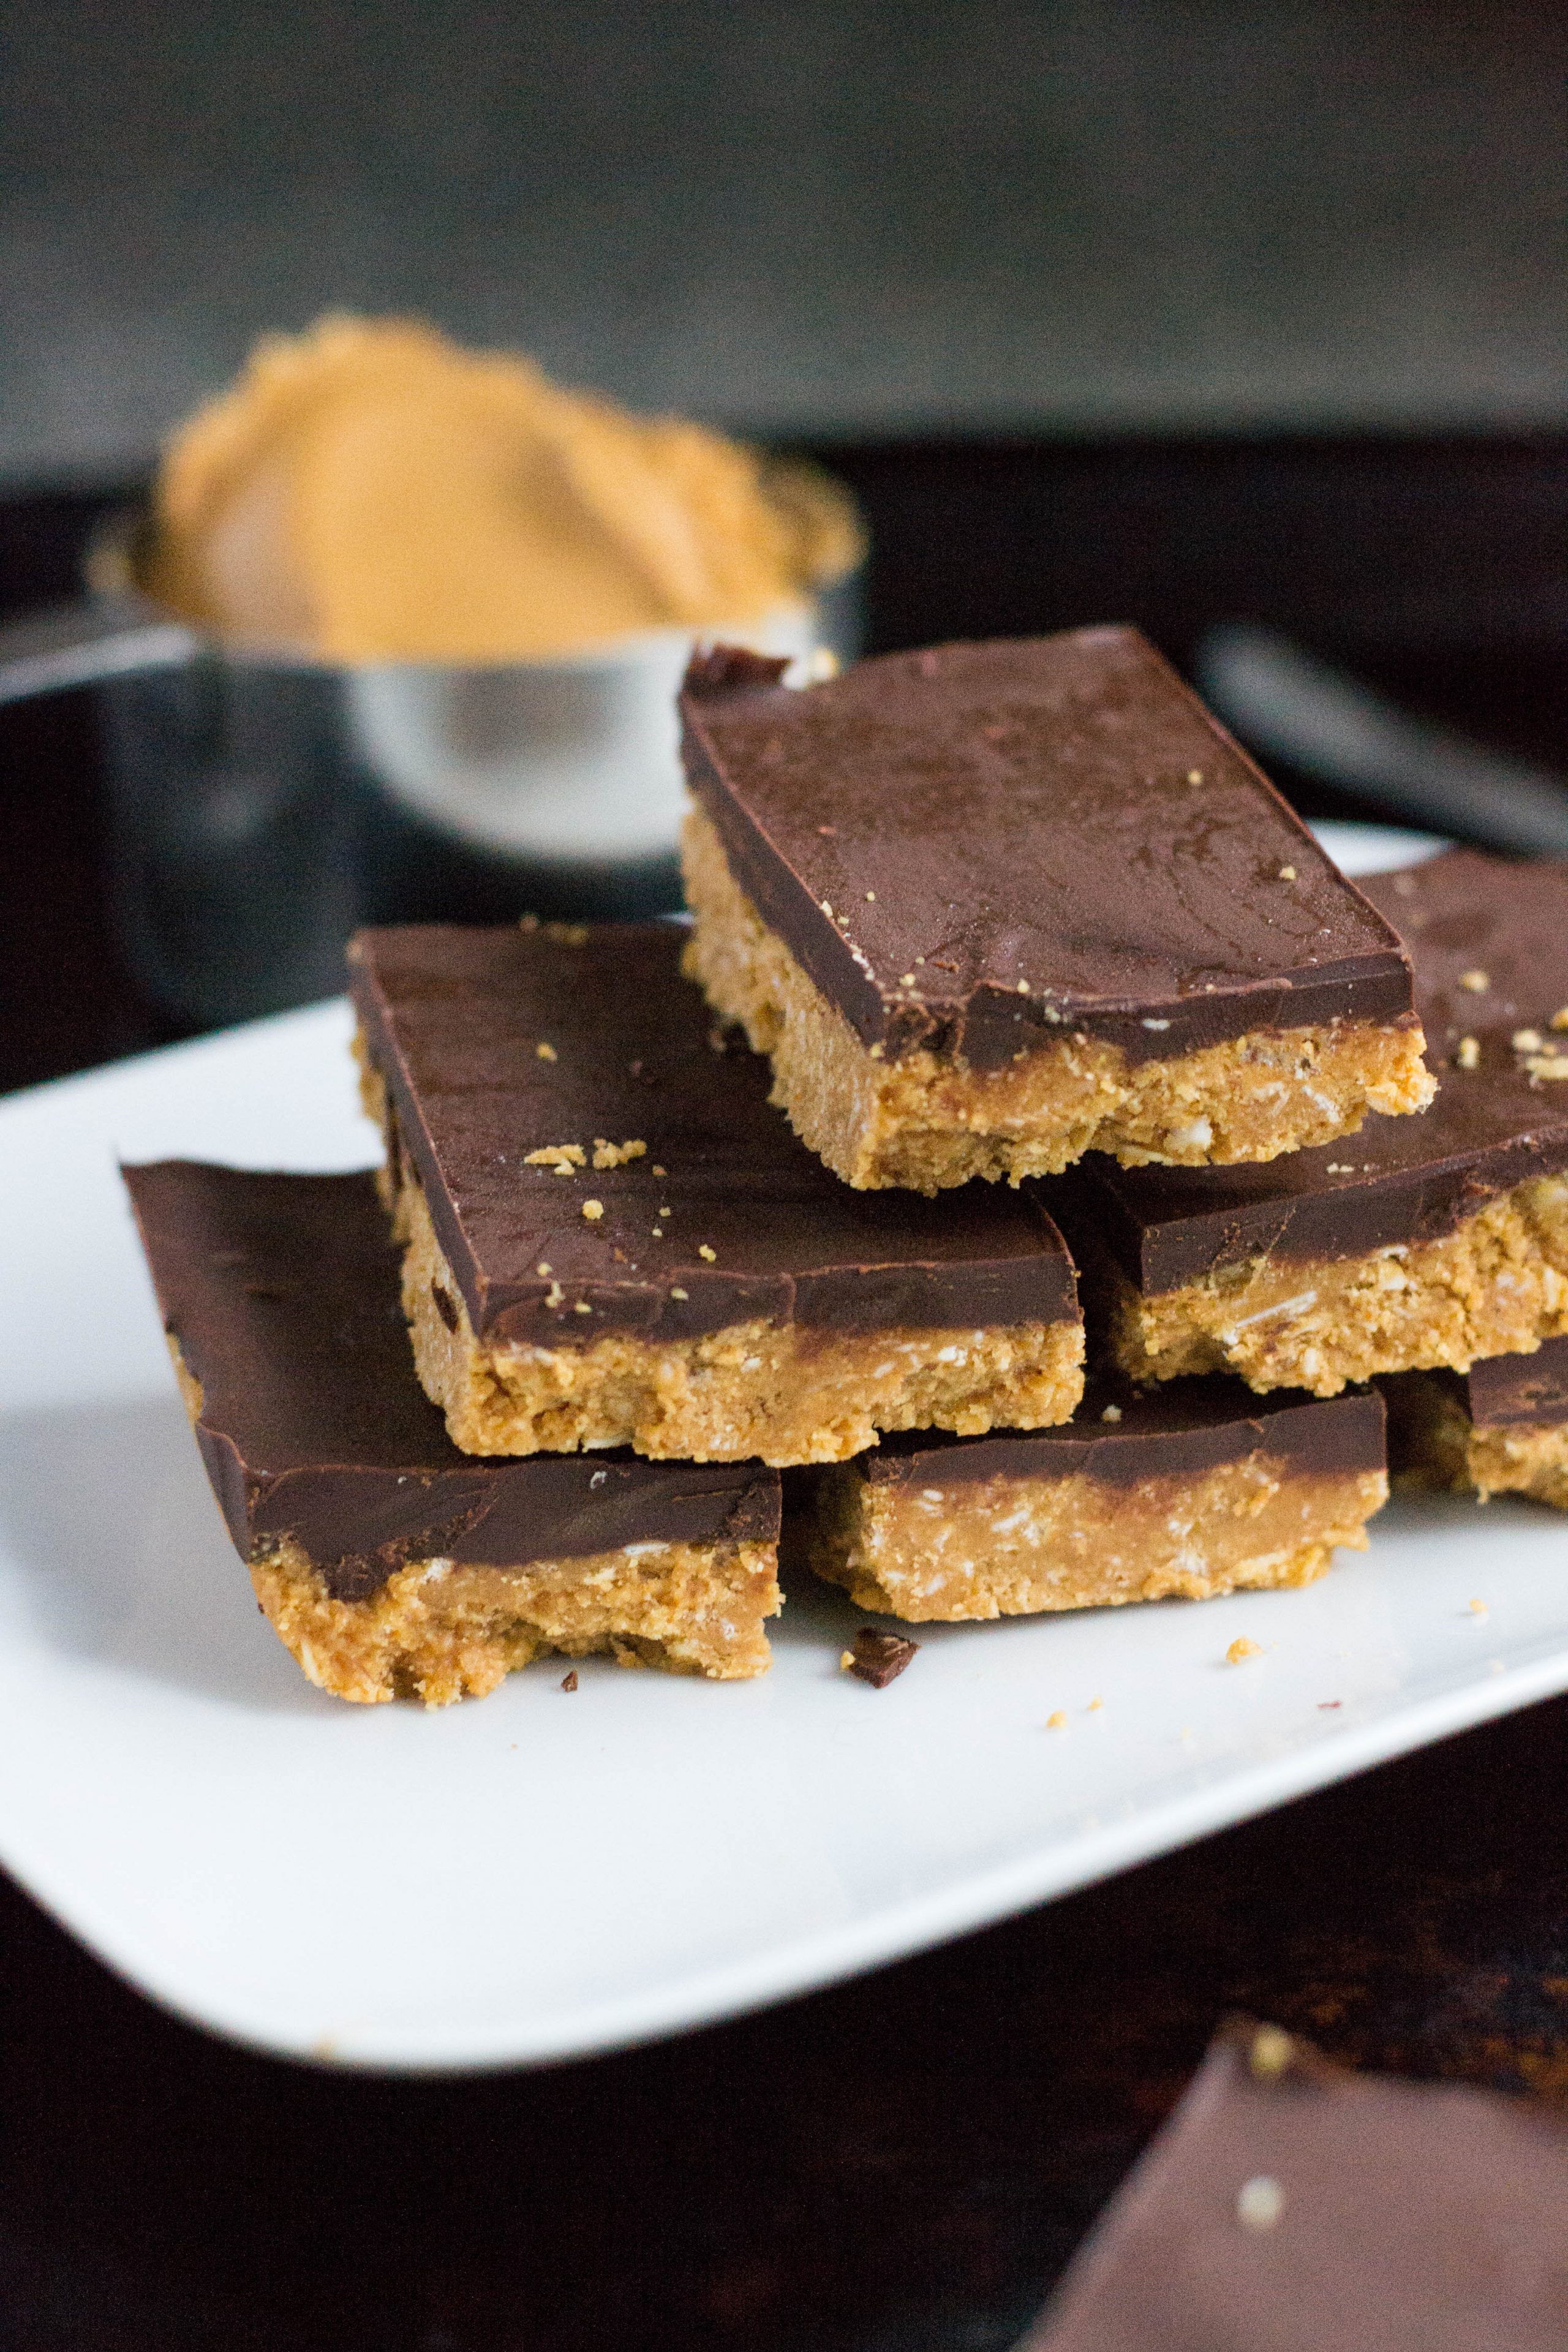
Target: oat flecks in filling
1445	1241
1183	1495
776	1315
996	865
920	1122
388	1562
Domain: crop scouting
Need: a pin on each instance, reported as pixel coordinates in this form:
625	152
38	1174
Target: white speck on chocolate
1477	982
545	1051
1259	2202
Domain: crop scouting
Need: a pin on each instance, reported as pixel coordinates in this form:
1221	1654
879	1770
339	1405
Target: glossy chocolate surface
282	1293
1311	2210
1179	1430
1464	918
454	1019
969	848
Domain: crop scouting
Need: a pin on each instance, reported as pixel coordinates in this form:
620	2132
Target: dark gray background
797	217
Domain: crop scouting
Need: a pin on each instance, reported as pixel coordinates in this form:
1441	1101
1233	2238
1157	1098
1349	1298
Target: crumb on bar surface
715	1294
925	1122
1434	1242
780	1393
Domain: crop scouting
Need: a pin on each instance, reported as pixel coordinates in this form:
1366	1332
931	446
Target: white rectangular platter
538	1875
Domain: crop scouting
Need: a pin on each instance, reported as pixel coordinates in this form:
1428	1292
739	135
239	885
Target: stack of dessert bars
1014	997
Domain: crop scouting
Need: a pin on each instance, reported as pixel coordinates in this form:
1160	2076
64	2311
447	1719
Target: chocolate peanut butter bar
1291	2206
387	1561
1422	1242
990	905
1195	1489
612	1238
1499	1428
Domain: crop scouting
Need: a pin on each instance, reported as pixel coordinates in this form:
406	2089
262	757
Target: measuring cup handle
76	644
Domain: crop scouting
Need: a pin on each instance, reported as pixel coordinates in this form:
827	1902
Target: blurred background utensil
1287	705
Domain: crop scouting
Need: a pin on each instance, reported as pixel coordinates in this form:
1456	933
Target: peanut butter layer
1426	1242
989	904
612	1238
387	1560
786	1393
926	1121
436	1631
1502	1428
1193	1491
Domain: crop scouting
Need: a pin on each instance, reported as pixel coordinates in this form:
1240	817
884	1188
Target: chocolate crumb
569	1682
446	1306
879	1658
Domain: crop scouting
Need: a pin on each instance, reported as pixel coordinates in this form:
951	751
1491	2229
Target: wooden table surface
901	2164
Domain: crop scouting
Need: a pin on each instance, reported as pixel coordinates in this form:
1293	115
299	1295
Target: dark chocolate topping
454	1020
983	817
1290	2206
1399	1179
1177	1430
1504	1391
282	1295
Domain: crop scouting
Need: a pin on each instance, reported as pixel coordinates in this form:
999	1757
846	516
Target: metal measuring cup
263	806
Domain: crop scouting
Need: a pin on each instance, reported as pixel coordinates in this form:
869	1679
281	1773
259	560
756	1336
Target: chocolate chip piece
445	1307
569	1682
880	1658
